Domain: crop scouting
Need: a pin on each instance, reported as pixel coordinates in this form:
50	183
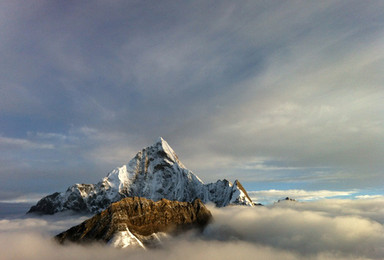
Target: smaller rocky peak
240	187
237	184
240	195
287	199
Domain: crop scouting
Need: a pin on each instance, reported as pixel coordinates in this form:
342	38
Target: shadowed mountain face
138	222
154	173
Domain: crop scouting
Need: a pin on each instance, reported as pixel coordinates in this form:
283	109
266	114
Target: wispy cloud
369	196
19	143
26	198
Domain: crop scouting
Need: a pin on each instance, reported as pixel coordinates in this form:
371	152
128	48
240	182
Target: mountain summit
154	173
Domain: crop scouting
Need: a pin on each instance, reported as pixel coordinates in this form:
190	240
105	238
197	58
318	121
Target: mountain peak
154	173
166	150
161	143
160	140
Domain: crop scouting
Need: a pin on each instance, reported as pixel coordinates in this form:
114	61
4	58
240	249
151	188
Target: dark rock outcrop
135	221
286	199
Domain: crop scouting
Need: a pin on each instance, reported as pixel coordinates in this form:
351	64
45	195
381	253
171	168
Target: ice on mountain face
154	173
123	239
118	177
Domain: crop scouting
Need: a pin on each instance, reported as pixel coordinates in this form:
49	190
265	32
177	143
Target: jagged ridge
154	173
137	221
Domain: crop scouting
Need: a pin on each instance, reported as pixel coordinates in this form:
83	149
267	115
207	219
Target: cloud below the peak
327	229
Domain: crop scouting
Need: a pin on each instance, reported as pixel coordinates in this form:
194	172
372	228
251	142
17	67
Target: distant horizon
265	197
265	193
17	208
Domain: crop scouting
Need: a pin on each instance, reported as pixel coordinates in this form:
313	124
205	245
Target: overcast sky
277	94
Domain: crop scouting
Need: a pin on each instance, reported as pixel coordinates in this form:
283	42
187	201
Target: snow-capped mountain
154	173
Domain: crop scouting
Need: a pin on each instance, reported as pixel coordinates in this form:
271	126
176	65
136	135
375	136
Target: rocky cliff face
138	222
154	173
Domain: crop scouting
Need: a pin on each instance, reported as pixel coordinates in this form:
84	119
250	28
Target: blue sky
277	94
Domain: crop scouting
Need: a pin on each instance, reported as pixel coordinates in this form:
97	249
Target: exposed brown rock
142	217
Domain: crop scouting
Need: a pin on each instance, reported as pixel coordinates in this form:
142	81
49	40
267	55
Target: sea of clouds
325	229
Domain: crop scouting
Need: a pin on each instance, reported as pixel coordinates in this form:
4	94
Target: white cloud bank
270	196
329	229
343	228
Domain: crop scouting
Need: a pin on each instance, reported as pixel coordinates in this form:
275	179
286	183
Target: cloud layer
329	229
310	229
